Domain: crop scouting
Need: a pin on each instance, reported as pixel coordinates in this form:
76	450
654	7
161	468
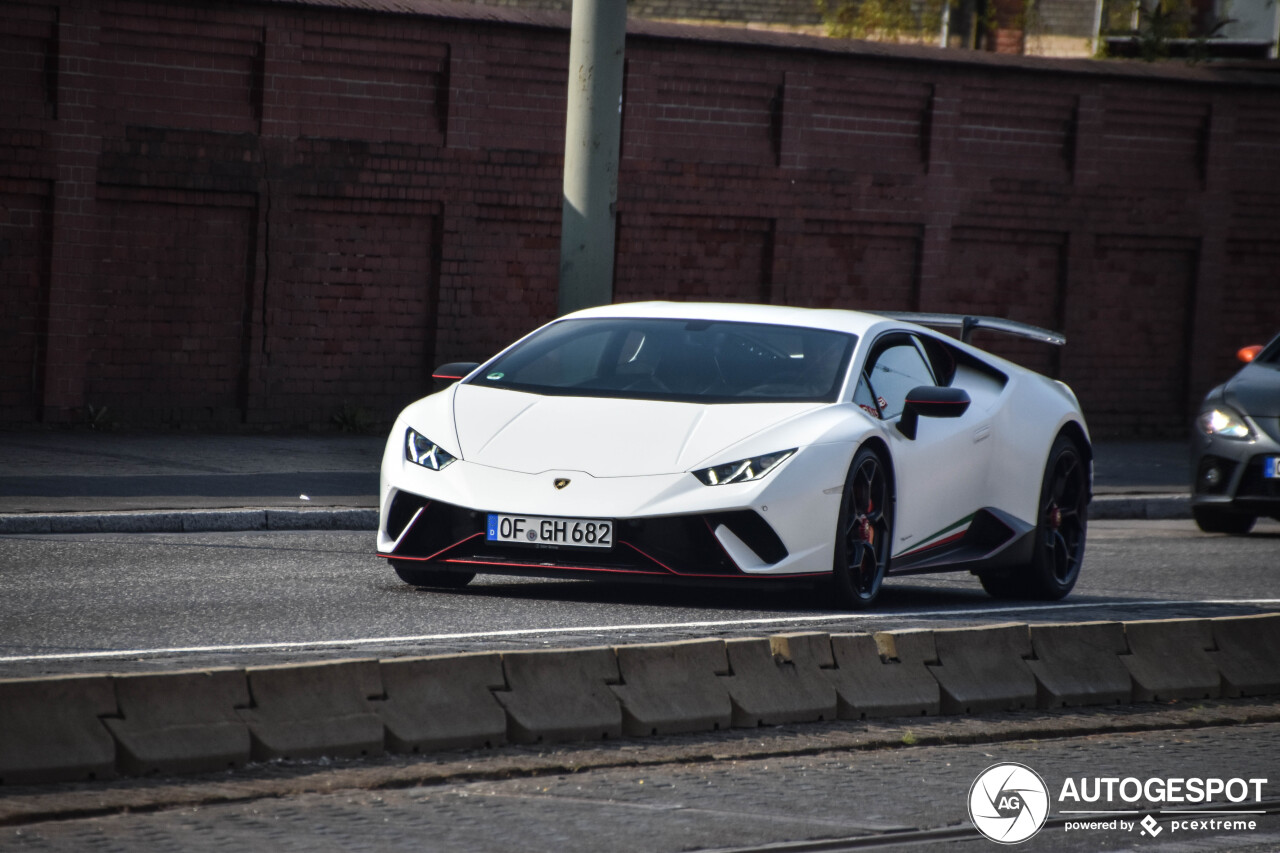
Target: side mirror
931	401
453	371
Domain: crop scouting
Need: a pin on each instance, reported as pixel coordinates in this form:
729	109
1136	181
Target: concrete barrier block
673	687
1079	664
884	675
180	722
779	680
310	710
1248	655
443	702
984	669
1169	659
51	731
559	695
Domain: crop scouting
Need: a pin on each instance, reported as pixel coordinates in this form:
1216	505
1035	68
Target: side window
865	399
893	372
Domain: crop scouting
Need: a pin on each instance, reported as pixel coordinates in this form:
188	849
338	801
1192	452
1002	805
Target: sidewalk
71	481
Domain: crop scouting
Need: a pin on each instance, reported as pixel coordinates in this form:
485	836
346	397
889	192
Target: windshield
682	360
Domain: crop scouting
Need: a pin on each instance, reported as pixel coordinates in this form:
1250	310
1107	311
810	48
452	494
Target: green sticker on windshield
495	376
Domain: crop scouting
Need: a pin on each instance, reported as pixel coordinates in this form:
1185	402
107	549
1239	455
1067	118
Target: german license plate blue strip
556	532
1271	467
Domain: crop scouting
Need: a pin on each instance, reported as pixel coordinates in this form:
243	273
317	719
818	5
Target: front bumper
1228	475
708	545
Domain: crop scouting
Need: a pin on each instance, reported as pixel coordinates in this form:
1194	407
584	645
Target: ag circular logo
1008	803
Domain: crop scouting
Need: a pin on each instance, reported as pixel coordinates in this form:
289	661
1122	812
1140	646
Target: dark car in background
1235	446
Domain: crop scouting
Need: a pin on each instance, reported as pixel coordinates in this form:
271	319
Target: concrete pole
593	133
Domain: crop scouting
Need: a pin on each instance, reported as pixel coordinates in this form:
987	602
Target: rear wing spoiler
966	323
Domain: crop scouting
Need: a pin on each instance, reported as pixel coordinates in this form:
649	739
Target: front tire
1212	520
864	531
1062	522
415	575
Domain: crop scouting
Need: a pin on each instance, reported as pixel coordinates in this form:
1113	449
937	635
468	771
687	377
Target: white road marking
595	629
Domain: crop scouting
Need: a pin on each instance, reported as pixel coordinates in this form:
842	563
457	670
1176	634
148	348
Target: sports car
743	443
1235	446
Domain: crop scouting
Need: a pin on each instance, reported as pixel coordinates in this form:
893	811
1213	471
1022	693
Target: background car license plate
536	530
1271	467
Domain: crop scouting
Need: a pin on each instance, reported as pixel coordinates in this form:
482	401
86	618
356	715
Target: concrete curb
1149	507
190	521
93	727
1104	507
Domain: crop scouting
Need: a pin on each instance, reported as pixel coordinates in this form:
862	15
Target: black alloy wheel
1062	522
864	533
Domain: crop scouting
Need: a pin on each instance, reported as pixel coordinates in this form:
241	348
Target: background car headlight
743	470
423	451
1224	422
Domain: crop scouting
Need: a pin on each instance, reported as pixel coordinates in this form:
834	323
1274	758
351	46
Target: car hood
1255	390
603	437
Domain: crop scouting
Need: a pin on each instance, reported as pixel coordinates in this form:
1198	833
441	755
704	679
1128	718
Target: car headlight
421	450
743	470
1224	422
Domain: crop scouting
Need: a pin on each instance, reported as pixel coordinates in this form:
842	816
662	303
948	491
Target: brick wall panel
861	266
180	141
164	68
506	268
348	314
166	333
873	123
525	91
1251	306
1154	141
704	112
1012	274
1013	130
24	273
1127	360
722	259
27	45
372	88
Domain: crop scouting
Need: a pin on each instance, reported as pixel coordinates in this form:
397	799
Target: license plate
561	532
1271	467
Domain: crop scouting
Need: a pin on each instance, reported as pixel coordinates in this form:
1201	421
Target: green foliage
354	419
890	20
100	418
1162	28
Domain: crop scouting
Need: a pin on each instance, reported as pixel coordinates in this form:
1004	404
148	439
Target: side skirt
994	540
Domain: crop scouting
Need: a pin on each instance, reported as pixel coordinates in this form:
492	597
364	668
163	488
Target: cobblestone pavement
739	790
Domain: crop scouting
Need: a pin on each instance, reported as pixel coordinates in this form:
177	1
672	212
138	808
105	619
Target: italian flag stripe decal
947	534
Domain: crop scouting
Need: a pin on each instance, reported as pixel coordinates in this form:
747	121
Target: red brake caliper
865	530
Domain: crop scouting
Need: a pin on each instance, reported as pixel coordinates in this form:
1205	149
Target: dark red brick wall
258	213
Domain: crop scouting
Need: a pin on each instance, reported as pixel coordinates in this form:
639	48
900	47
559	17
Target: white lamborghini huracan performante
743	443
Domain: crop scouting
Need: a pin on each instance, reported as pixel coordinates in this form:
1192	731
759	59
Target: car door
940	475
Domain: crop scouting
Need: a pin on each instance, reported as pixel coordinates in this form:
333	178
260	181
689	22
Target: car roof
834	319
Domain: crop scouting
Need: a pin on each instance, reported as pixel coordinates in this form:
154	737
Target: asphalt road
117	602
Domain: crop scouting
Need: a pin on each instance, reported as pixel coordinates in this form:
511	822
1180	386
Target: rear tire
417	576
864	531
1061	524
1212	520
